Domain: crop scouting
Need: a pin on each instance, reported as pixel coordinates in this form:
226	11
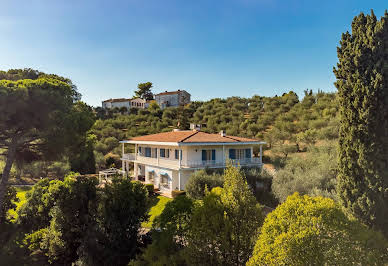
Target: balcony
174	163
128	156
215	164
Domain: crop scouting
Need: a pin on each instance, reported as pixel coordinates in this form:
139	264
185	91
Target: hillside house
128	103
172	98
168	159
120	102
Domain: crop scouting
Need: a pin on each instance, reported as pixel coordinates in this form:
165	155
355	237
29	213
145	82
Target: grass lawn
157	205
21	195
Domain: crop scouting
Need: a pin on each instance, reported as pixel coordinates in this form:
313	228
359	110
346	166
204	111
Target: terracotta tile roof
171	92
189	136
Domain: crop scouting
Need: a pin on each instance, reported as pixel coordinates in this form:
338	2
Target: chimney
176	130
222	133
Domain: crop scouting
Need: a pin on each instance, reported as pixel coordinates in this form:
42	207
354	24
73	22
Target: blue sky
210	48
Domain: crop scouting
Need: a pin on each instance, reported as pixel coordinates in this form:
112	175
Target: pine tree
362	83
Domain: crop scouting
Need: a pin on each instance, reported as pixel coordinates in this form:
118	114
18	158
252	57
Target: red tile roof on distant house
191	136
171	92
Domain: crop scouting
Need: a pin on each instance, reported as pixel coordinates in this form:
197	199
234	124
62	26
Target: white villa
123	102
168	159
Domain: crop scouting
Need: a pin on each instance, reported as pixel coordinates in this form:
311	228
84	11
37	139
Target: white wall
158	171
194	153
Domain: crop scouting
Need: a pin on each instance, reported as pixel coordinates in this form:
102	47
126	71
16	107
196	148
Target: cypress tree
362	83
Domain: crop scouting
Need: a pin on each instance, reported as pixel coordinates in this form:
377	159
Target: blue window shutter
139	149
213	155
248	153
176	154
203	155
232	154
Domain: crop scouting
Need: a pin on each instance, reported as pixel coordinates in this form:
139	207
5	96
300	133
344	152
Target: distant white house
167	160
128	103
172	98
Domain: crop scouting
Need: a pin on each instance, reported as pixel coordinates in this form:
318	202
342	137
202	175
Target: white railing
170	162
129	156
210	163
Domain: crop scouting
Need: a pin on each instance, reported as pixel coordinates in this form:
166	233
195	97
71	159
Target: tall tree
362	83
144	91
33	114
223	228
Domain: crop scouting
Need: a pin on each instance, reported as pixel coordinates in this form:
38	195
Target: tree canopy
144	91
362	83
308	230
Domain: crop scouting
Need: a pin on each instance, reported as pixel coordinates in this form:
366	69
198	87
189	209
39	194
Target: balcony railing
213	163
170	162
129	156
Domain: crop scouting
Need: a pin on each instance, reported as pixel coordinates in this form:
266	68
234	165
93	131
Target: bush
200	180
308	230
112	160
9	199
260	181
150	188
176	193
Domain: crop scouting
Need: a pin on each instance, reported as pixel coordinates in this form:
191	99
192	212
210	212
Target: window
164	179
176	154
165	153
208	155
147	152
139	150
239	154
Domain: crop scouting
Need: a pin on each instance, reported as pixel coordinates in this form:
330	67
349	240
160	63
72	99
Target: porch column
180	159
261	154
122	148
223	154
127	168
135	152
135	169
179	180
123	167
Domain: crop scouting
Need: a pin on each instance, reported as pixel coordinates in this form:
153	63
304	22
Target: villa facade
168	159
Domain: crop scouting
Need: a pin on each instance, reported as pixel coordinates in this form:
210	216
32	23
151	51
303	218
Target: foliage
123	208
260	182
176	193
200	180
21	193
313	175
80	152
362	78
156	206
73	220
170	235
150	189
144	91
223	228
35	117
9	201
34	213
308	230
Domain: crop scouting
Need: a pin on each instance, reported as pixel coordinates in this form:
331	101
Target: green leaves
308	230
362	83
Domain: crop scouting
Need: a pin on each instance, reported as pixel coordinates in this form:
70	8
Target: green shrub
150	188
176	193
199	180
